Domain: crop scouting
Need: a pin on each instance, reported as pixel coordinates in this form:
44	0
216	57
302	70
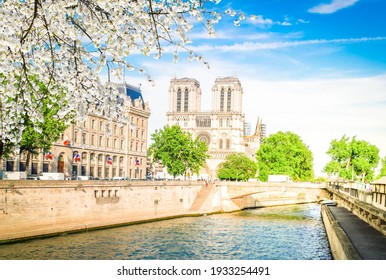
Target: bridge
262	194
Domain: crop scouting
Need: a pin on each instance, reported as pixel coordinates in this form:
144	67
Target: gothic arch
229	100
222	97
178	109
186	100
220	144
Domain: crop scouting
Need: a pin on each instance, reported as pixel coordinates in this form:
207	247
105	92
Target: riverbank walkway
369	243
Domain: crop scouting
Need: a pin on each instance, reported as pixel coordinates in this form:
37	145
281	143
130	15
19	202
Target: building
223	127
97	147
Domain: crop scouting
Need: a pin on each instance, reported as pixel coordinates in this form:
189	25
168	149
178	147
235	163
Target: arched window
228	144
179	100
220	144
186	100
222	100
229	100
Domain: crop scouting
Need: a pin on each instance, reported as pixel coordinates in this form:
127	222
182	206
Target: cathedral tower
227	95
184	95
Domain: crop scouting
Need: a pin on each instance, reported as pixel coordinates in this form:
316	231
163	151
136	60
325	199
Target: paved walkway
370	243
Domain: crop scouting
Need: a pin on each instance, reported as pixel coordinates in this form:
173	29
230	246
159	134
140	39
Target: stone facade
97	147
222	128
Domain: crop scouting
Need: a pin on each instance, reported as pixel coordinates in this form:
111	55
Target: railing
366	193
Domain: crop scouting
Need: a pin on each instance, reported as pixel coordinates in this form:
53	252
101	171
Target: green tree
285	153
177	150
382	171
237	166
352	159
38	136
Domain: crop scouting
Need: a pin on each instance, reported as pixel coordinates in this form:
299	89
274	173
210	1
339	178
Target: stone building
223	127
97	147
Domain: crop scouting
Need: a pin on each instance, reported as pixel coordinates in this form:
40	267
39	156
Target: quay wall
340	245
42	208
30	209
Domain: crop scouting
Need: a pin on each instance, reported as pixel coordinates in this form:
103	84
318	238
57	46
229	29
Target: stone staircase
201	198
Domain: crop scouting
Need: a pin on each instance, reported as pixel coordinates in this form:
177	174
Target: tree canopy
41	134
285	153
177	150
352	159
66	44
237	167
382	171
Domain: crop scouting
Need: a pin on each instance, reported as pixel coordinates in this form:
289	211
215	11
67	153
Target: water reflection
277	233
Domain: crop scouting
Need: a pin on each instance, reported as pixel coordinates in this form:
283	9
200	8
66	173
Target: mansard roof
133	92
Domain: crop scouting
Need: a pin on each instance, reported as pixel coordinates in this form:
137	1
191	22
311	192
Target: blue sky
313	67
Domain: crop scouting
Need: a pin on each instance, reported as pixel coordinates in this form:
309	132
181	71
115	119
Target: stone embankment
30	209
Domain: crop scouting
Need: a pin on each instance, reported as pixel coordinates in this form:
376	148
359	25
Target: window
229	100
22	166
179	100
220	144
100	140
93	139
220	123
228	144
222	100
101	126
186	100
93	124
34	168
115	143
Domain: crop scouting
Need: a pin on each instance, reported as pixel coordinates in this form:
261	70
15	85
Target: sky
313	67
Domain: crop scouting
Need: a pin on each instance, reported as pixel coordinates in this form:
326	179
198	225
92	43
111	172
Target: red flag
66	141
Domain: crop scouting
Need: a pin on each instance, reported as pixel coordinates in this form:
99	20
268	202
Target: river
276	233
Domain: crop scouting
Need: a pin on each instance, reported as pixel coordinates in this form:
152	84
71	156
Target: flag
136	162
66	141
76	157
48	155
109	161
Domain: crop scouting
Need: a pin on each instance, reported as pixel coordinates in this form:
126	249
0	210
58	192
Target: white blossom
65	44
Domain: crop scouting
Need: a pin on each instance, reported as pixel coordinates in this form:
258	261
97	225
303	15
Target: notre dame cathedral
223	128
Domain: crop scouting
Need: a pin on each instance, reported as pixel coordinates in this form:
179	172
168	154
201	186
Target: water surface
275	233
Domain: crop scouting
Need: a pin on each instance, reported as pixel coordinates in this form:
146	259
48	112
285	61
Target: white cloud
331	8
253	46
